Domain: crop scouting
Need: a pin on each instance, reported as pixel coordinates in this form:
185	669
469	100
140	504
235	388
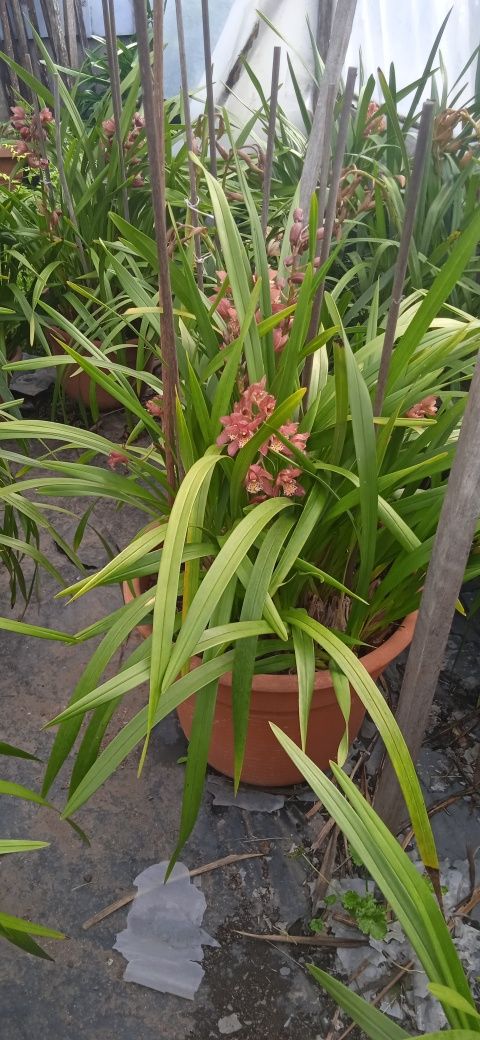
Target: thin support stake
112	55
330	211
8	47
321	194
192	174
82	33
61	172
207	50
340	35
451	548
71	31
154	122
272	122
411	200
53	22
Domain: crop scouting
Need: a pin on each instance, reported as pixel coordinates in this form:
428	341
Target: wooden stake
61	171
21	40
207	50
8	47
53	22
192	173
324	26
341	29
272	122
114	70
154	123
82	34
411	200
70	23
453	540
39	69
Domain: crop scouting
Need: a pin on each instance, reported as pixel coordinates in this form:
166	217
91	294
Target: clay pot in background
77	386
275	699
8	163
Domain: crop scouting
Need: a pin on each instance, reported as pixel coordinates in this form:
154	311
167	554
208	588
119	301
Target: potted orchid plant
282	572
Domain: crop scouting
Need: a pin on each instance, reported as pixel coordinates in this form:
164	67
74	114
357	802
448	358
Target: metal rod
451	548
207	50
114	70
272	122
192	173
154	109
411	200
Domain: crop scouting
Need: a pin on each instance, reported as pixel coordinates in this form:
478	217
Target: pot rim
375	662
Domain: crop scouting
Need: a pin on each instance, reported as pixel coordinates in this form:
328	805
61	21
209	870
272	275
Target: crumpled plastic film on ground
163	939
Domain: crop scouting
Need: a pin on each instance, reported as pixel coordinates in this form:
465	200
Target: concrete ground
132	823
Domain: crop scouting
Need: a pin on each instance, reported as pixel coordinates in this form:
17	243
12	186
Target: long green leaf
381	715
402	886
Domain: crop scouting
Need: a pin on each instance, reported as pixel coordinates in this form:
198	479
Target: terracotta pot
8	161
275	699
78	386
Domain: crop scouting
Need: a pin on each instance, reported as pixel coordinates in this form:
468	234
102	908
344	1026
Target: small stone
229	1024
284	971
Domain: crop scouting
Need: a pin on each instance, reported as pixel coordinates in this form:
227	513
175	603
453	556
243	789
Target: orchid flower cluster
31	131
425	409
374	124
227	311
138	124
249	414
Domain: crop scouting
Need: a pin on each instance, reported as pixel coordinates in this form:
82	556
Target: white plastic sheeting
384	31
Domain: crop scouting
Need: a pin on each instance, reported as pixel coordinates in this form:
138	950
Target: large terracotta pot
78	386
275	699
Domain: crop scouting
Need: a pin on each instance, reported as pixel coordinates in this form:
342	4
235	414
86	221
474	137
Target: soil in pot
79	386
275	699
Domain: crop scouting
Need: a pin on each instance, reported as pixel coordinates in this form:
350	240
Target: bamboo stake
324	26
411	200
154	117
451	548
207	50
192	174
341	29
8	47
272	122
61	171
322	37
328	222
114	70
